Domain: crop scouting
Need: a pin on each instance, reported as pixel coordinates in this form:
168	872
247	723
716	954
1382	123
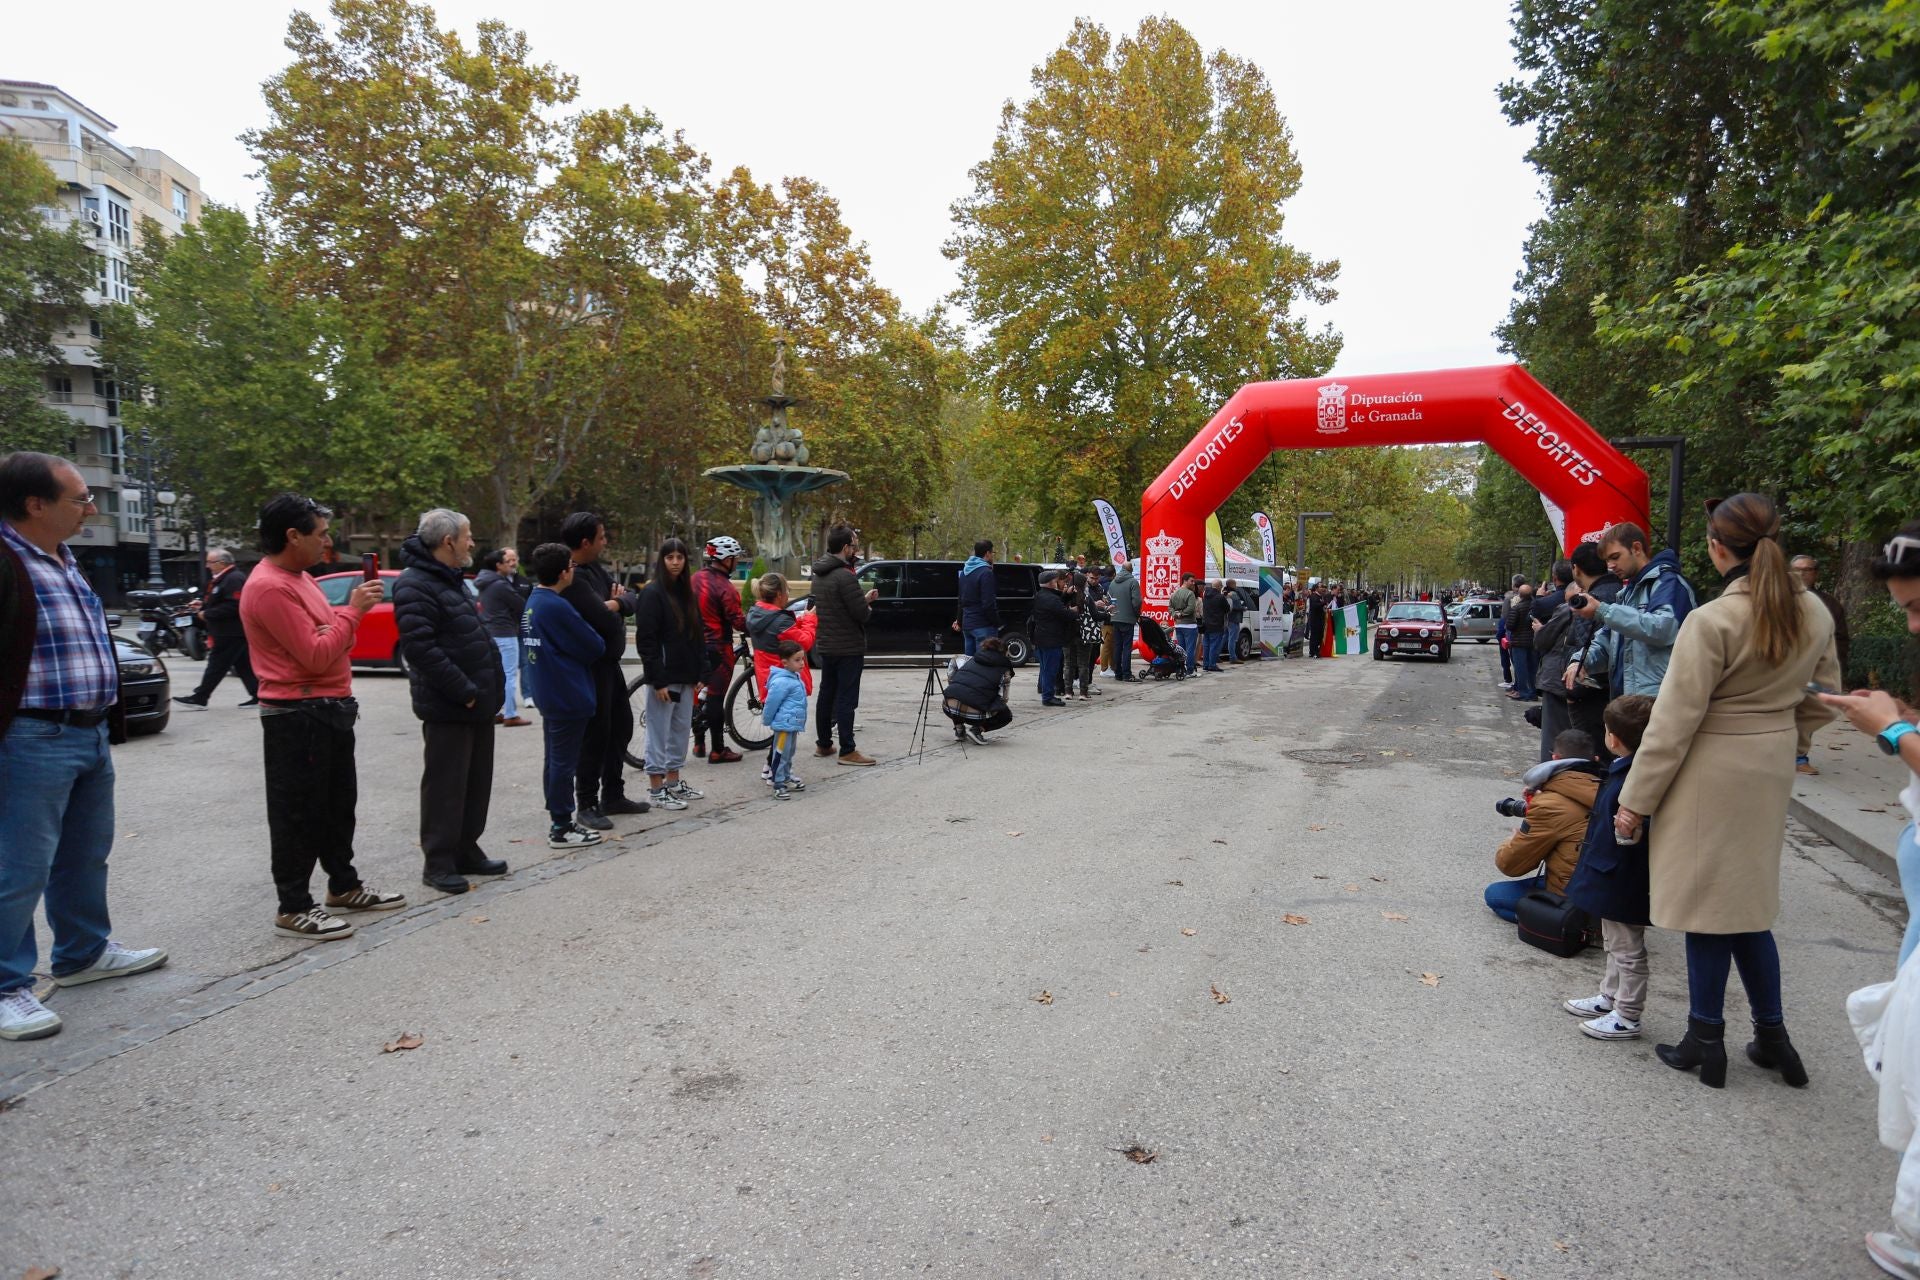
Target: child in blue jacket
785	712
562	647
1611	885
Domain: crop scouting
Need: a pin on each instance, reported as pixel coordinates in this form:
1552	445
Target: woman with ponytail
1713	776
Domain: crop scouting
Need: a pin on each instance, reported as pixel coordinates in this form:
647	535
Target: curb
1862	851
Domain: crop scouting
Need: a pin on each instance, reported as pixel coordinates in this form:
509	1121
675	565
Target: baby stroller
1165	659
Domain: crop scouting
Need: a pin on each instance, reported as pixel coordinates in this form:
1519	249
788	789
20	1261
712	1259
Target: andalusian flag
1346	632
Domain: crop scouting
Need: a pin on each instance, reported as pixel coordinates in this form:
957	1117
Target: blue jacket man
1640	626
979	598
564	651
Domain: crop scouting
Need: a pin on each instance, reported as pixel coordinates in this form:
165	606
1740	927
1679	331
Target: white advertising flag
1110	525
1265	526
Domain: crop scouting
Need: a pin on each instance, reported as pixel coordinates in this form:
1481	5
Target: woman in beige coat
1715	771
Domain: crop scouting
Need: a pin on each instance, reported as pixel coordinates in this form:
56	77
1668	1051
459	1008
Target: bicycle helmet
721	548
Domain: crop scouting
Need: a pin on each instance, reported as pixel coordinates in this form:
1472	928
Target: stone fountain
777	474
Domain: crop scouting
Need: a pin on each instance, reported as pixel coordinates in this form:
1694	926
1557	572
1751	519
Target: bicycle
743	707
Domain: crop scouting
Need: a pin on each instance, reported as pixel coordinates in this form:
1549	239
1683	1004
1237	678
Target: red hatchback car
377	644
1413	627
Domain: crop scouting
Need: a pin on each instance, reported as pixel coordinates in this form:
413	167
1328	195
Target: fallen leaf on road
1045	997
1139	1155
1392	915
1178	884
1219	842
1219	996
1112	994
1317	826
407	1041
1291	918
51	1273
1320	877
1351	888
1046	1137
1187	933
1430	979
1144	950
1501	1275
516	842
1387	753
273	1186
1562	1246
1016	833
478	919
1378	879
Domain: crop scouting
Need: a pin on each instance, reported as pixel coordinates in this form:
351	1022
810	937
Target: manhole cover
1312	756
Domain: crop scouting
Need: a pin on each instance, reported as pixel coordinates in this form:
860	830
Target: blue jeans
509	647
1503	896
56	813
784	742
1188	638
1123	650
1051	661
1523	672
1216	642
563	739
971	639
1909	863
1711	955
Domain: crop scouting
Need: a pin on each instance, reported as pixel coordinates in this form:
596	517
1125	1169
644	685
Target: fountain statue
776	475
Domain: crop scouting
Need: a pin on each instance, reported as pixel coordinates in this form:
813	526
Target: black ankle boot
1771	1049
1704	1048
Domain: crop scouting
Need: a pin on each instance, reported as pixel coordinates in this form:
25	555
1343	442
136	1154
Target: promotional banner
1265	526
1110	525
1276	627
1346	632
1216	548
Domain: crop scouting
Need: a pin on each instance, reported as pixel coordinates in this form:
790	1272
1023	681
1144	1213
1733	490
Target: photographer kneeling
977	691
1553	818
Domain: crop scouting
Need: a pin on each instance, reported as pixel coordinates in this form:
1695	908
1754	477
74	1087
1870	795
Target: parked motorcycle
167	621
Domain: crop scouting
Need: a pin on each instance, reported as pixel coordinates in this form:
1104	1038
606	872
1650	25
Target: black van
920	599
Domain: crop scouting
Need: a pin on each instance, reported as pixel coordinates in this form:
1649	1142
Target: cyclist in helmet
722	615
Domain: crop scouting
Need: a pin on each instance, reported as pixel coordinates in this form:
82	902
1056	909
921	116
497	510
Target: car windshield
1414	613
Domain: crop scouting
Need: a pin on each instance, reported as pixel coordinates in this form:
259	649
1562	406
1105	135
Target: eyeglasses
78	500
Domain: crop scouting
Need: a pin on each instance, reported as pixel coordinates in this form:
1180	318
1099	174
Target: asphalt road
766	1039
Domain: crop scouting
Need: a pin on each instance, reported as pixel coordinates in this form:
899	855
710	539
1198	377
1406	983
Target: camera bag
1546	920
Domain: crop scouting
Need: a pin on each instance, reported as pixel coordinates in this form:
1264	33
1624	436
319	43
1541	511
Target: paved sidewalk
1854	801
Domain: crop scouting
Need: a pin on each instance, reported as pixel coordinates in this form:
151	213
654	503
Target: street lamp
915	529
1300	538
150	500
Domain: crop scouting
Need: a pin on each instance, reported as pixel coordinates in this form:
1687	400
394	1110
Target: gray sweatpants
669	729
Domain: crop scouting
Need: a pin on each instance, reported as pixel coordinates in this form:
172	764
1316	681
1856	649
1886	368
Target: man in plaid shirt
59	684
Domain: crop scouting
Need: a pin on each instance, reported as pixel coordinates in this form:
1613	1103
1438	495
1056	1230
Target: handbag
1546	920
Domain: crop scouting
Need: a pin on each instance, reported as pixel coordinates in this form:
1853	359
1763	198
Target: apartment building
109	190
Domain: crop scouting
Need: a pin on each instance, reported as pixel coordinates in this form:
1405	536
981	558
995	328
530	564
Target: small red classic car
376	643
1413	627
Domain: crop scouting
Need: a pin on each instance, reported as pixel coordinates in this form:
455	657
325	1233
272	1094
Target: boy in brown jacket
1546	848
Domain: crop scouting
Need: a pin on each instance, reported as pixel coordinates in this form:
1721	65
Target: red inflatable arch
1589	483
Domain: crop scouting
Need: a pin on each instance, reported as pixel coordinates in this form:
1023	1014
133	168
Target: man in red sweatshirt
300	647
721	614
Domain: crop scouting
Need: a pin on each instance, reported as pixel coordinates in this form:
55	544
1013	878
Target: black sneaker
623	804
190	701
593	818
446	884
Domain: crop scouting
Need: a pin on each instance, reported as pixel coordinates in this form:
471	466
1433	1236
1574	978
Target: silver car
1475	620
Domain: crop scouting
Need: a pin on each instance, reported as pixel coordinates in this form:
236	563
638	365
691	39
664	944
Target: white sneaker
666	798
1611	1026
313	924
1591	1007
1505	684
766	773
684	791
1894	1254
115	962
571	836
23	1017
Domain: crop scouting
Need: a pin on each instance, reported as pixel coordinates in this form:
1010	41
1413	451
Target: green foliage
247	393
1397	514
44	274
1122	248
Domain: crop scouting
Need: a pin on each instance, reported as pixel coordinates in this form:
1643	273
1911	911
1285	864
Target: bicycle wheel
637	695
743	714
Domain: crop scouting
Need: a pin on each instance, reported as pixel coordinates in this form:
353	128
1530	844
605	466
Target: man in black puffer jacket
458	683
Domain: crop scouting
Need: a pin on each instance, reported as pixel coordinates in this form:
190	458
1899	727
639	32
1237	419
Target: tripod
934	687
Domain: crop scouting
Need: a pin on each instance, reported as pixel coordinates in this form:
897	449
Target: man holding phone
600	781
301	648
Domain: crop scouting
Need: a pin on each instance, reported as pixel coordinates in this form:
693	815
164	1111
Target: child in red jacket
768	623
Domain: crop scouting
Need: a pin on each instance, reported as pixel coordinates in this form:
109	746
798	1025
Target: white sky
1413	179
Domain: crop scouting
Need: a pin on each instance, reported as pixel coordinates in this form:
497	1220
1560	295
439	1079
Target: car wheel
1379	655
1446	652
1242	647
1019	648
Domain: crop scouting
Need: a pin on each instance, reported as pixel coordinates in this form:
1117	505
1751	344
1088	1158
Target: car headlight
136	668
1423	633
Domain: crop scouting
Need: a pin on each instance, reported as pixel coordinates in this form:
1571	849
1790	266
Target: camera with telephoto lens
1578	599
1510	808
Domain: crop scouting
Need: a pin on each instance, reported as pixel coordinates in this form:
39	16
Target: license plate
146	627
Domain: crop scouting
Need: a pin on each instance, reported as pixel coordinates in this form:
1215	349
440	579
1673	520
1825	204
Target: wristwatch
1889	737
